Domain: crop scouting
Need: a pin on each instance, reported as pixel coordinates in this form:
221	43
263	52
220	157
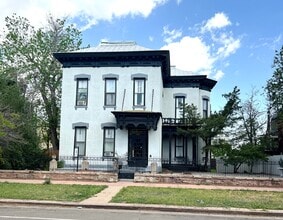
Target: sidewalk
103	199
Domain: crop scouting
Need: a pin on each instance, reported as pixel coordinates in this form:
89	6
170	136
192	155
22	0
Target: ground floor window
179	146
109	142
80	141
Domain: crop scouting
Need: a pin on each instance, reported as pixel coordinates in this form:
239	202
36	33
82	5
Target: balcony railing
175	122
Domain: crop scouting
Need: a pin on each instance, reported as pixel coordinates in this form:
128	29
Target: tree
236	129
19	142
243	142
208	128
274	93
27	54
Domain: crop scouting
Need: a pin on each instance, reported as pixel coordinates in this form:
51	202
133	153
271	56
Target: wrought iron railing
115	164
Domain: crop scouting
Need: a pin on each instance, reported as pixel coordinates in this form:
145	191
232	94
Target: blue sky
233	42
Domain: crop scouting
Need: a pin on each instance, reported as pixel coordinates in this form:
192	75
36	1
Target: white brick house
120	100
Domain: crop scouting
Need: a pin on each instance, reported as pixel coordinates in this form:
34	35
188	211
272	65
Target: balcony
174	122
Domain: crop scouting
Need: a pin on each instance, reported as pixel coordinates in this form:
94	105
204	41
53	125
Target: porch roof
137	119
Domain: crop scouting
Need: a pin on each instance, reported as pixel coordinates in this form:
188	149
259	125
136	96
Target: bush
60	163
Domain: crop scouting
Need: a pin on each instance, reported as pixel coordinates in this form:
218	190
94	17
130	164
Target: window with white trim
80	141
205	103
110	92
109	142
179	106
82	92
139	92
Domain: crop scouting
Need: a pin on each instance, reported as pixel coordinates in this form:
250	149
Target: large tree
274	91
208	128
242	142
19	142
28	56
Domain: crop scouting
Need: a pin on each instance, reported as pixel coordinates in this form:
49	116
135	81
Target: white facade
156	89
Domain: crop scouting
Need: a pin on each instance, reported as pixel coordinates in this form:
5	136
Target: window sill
109	106
139	107
79	106
108	158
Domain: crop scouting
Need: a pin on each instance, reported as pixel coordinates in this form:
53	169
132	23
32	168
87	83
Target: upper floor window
110	92
139	92
179	106
80	141
205	108
109	142
82	92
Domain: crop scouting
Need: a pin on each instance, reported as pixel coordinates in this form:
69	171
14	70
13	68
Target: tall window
139	92
80	141
110	92
179	105
179	147
109	142
205	108
82	92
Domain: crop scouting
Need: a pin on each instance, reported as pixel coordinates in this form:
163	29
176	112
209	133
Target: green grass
201	197
54	192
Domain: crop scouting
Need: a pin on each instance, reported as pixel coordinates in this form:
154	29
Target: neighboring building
120	100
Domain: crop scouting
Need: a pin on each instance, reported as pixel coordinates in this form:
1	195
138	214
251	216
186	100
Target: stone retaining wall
59	175
208	180
177	178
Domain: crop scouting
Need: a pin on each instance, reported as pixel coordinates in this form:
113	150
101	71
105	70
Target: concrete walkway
103	199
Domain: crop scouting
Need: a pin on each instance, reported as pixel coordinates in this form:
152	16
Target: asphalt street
54	213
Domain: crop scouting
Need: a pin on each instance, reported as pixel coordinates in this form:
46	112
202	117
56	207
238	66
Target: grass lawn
201	197
54	192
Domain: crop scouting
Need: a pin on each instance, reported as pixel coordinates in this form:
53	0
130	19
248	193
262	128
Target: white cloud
207	52
171	35
219	20
90	12
218	75
229	45
179	2
190	54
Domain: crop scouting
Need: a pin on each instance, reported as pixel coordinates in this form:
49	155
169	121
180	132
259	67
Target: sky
231	41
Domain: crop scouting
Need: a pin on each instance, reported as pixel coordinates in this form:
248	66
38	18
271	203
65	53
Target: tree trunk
54	140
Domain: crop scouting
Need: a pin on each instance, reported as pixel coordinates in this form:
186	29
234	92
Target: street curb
142	207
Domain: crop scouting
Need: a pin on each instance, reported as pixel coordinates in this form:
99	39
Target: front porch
180	152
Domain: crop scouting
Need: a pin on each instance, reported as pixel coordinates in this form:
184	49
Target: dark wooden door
138	148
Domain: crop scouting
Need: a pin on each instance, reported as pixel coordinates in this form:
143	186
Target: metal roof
116	46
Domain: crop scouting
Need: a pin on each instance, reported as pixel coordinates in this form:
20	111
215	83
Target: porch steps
127	172
126	175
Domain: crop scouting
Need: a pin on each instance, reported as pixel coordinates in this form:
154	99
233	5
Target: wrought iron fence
109	164
80	163
218	167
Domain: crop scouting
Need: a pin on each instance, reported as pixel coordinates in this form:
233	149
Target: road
52	213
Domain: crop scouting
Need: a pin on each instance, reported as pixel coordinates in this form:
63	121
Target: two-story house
120	100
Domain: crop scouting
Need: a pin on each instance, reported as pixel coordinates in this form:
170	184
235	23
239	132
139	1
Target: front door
138	148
